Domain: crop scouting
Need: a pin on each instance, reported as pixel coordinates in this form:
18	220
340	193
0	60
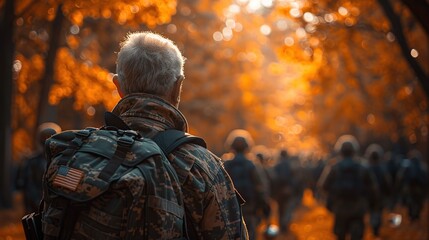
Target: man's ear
177	90
118	86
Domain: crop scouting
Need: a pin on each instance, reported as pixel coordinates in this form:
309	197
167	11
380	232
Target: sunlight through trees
296	74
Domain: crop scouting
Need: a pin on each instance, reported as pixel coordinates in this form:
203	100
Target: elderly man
149	79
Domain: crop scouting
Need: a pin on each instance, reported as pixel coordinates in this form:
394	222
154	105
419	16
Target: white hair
148	63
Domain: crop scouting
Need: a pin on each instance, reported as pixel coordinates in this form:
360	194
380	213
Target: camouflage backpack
349	182
112	184
242	172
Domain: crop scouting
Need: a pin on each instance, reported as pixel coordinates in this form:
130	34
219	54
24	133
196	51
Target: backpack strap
125	143
71	214
171	139
112	119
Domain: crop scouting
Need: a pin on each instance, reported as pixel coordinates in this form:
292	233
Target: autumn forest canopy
295	73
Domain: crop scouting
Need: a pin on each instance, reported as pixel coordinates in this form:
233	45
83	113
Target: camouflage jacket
212	207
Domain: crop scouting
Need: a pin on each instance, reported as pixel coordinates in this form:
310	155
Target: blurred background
296	74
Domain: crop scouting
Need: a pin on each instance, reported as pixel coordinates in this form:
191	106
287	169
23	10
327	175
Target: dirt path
311	222
10	221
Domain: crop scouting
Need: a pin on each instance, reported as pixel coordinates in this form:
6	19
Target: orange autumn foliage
295	74
78	75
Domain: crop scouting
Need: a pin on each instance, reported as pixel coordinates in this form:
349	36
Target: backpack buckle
132	133
85	132
126	140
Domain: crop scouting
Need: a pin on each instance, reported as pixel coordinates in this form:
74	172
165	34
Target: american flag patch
68	178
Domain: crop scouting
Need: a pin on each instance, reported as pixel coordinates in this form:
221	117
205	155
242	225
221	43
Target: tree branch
402	41
420	9
26	9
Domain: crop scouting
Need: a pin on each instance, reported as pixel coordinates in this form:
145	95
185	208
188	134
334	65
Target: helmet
347	145
262	153
239	140
374	153
46	130
415	155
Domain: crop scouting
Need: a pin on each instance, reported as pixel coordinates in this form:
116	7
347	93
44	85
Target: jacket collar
143	112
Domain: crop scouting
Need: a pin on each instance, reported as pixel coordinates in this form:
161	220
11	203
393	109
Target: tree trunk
48	76
6	64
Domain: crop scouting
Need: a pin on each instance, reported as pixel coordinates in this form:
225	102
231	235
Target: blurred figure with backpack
351	189
262	163
31	172
393	164
413	184
287	188
316	173
247	178
374	155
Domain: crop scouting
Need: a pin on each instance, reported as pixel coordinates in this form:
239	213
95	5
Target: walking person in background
351	188
374	155
262	163
31	172
413	184
395	156
287	187
247	179
316	172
